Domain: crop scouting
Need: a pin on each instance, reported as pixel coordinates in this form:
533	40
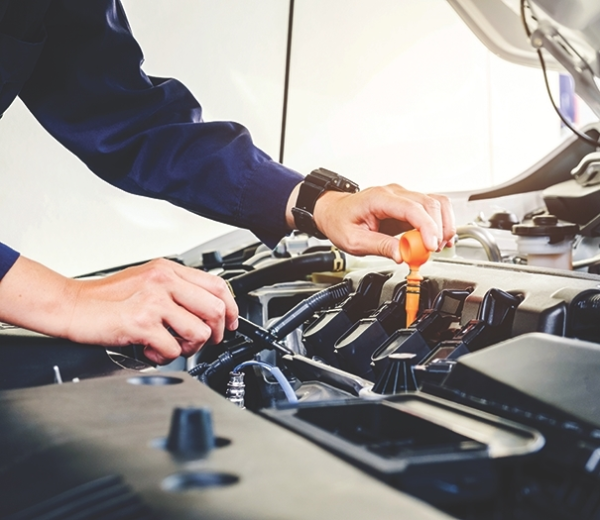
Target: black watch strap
314	185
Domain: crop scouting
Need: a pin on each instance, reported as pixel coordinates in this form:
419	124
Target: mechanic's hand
170	309
364	223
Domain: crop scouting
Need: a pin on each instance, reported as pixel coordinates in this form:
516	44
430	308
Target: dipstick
415	254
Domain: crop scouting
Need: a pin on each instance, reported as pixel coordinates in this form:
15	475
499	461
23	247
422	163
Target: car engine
328	402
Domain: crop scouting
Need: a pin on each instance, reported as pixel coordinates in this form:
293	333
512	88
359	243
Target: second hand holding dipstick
415	254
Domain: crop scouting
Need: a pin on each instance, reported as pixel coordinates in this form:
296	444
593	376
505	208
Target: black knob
546	226
503	220
545	220
191	433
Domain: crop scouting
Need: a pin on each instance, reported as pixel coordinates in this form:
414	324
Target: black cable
286	84
566	122
523	19
306	308
267	338
210	373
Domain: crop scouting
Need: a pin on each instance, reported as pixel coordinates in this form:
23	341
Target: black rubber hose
305	309
198	369
268	338
284	270
225	362
288	270
262	338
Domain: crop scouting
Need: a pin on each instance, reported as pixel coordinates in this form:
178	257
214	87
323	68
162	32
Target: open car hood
569	31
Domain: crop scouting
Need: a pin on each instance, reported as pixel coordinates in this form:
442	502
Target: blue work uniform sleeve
8	257
145	134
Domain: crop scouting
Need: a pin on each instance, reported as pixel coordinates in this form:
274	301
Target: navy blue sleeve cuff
8	257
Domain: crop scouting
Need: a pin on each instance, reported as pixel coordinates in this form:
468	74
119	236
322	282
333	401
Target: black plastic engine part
549	383
398	377
408	444
320	336
573	202
536	371
493	324
430	328
584	316
503	220
546	226
92	450
355	347
191	433
212	260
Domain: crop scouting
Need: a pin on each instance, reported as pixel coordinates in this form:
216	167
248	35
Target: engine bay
328	401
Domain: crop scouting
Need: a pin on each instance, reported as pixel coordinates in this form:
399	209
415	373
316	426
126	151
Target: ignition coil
320	336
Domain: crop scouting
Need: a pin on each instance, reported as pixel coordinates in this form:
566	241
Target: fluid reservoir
546	242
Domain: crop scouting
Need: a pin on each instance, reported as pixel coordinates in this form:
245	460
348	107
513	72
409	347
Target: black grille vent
107	498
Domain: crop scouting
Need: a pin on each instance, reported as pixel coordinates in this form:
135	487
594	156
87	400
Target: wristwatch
314	185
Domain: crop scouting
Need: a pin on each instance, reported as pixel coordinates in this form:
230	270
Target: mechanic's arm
134	306
146	134
364	223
